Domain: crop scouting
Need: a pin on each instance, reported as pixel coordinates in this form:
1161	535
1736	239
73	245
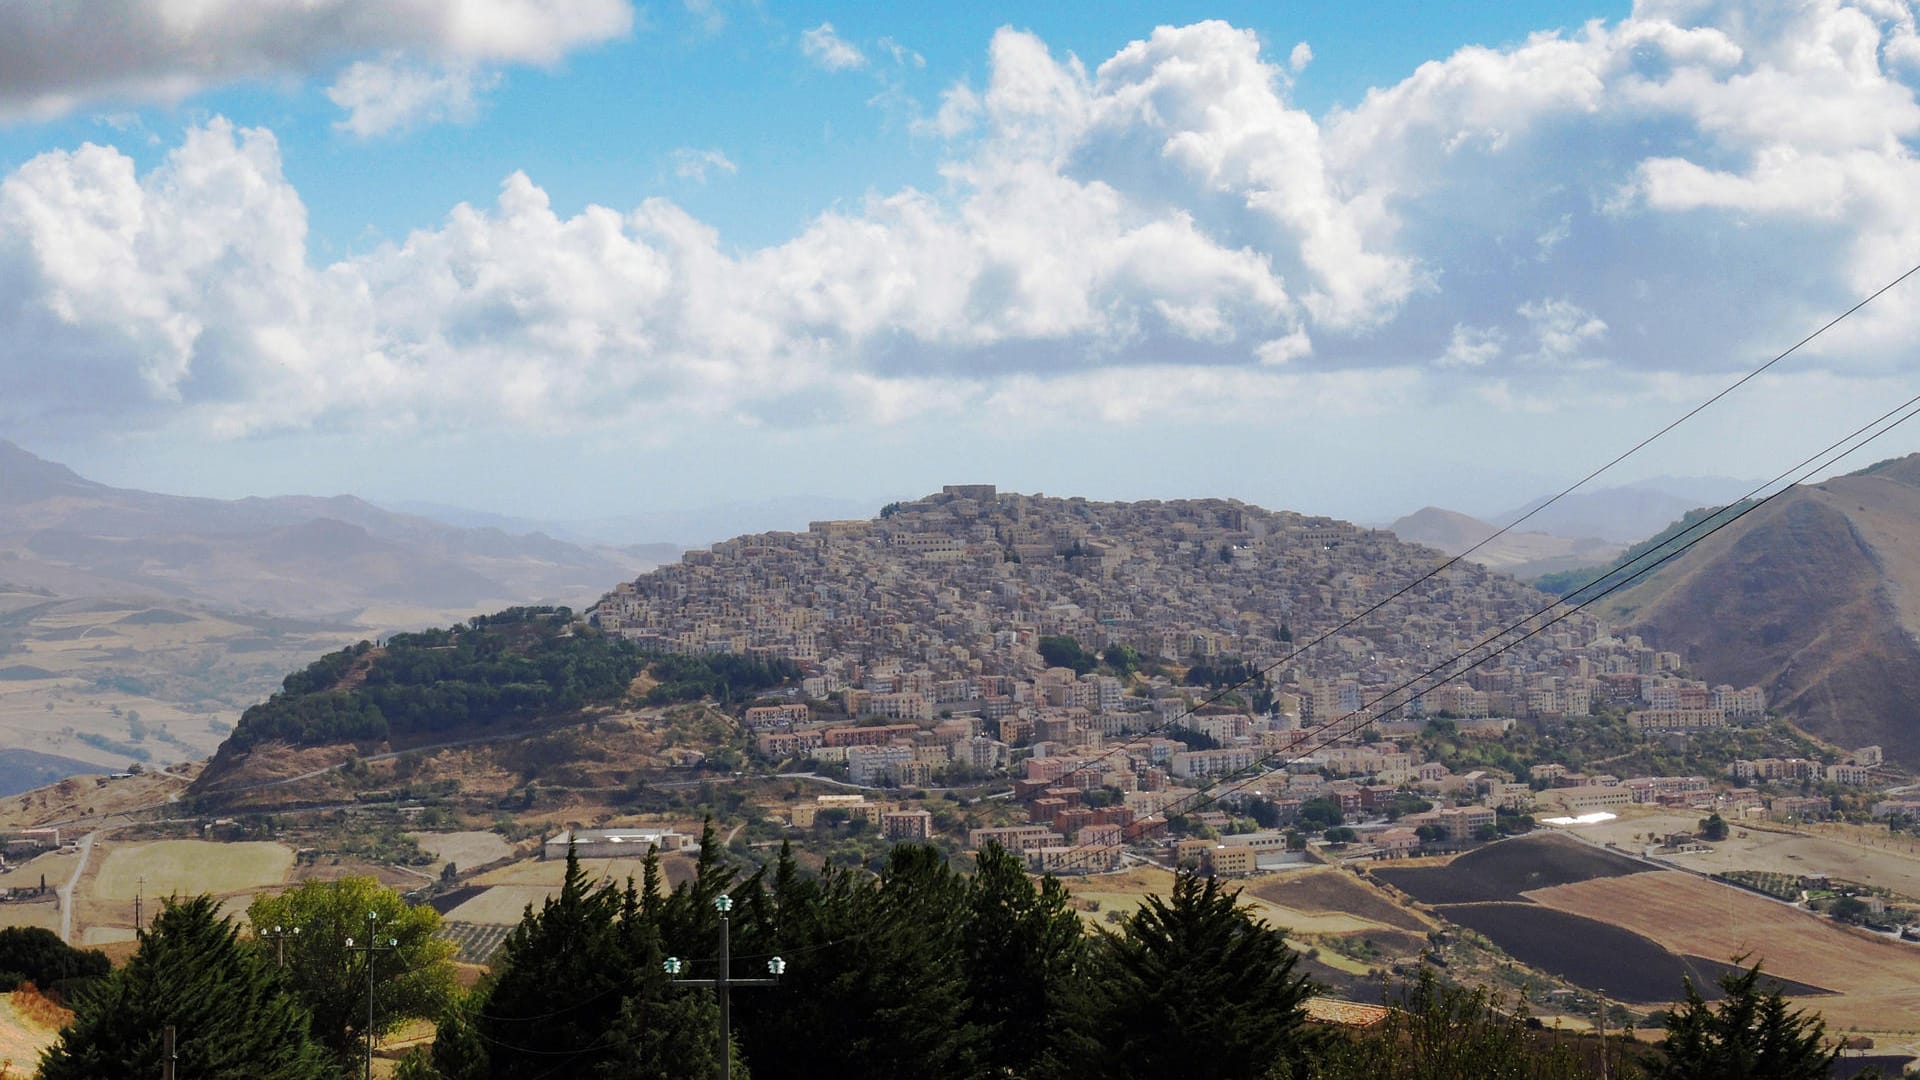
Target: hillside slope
1815	597
333	557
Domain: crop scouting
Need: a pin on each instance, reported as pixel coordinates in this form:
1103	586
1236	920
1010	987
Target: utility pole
723	981
167	1055
139	895
373	945
1603	1035
279	936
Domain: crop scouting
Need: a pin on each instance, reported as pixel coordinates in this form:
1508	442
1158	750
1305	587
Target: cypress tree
875	985
1192	987
561	978
1752	1034
1023	944
233	1017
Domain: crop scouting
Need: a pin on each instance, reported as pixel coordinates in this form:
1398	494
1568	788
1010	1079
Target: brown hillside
1815	597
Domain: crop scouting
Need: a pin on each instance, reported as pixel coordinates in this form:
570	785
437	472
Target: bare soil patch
464	849
1336	891
1503	871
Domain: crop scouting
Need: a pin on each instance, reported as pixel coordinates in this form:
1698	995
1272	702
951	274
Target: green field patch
190	867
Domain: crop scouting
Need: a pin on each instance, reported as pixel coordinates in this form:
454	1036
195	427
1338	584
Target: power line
1750	504
1260	673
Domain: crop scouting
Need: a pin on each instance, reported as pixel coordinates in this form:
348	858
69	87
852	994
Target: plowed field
1877	979
1504	870
1588	952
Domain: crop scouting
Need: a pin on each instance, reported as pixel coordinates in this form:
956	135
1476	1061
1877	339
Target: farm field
501	905
1847	852
476	942
188	867
1877	979
84	666
463	849
1322	891
1624	965
1502	871
1311	909
44	915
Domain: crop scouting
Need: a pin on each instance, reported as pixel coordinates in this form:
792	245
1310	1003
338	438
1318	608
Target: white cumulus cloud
1160	232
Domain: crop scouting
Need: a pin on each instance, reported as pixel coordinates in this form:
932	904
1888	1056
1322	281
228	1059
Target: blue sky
560	259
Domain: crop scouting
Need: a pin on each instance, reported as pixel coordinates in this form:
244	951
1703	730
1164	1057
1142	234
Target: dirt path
66	891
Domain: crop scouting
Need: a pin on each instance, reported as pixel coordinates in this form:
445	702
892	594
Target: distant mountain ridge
1525	555
297	555
1627	514
1815	597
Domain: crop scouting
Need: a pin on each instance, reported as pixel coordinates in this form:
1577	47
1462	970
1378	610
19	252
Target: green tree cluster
37	955
233	1017
918	970
721	676
413	978
1059	650
520	663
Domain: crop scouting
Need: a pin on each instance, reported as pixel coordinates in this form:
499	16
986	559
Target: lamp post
723	981
279	935
373	945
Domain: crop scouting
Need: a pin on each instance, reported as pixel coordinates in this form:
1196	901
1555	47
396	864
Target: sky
569	259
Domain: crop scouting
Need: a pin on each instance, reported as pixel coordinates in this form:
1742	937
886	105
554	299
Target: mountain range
339	558
1626	514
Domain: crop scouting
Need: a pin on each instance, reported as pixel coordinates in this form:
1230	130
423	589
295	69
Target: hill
135	627
1815	597
335	558
515	672
1525	555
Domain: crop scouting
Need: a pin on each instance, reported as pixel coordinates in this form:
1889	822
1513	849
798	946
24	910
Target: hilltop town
1140	671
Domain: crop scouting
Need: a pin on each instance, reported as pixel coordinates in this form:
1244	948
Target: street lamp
723	980
279	935
372	946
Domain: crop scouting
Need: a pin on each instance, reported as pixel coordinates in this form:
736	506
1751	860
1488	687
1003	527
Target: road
66	891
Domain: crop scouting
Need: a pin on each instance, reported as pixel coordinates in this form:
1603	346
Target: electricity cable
1745	507
1261	672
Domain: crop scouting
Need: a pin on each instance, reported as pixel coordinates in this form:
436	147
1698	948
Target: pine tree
233	1017
1023	945
875	987
561	978
1753	1034
581	982
1193	987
